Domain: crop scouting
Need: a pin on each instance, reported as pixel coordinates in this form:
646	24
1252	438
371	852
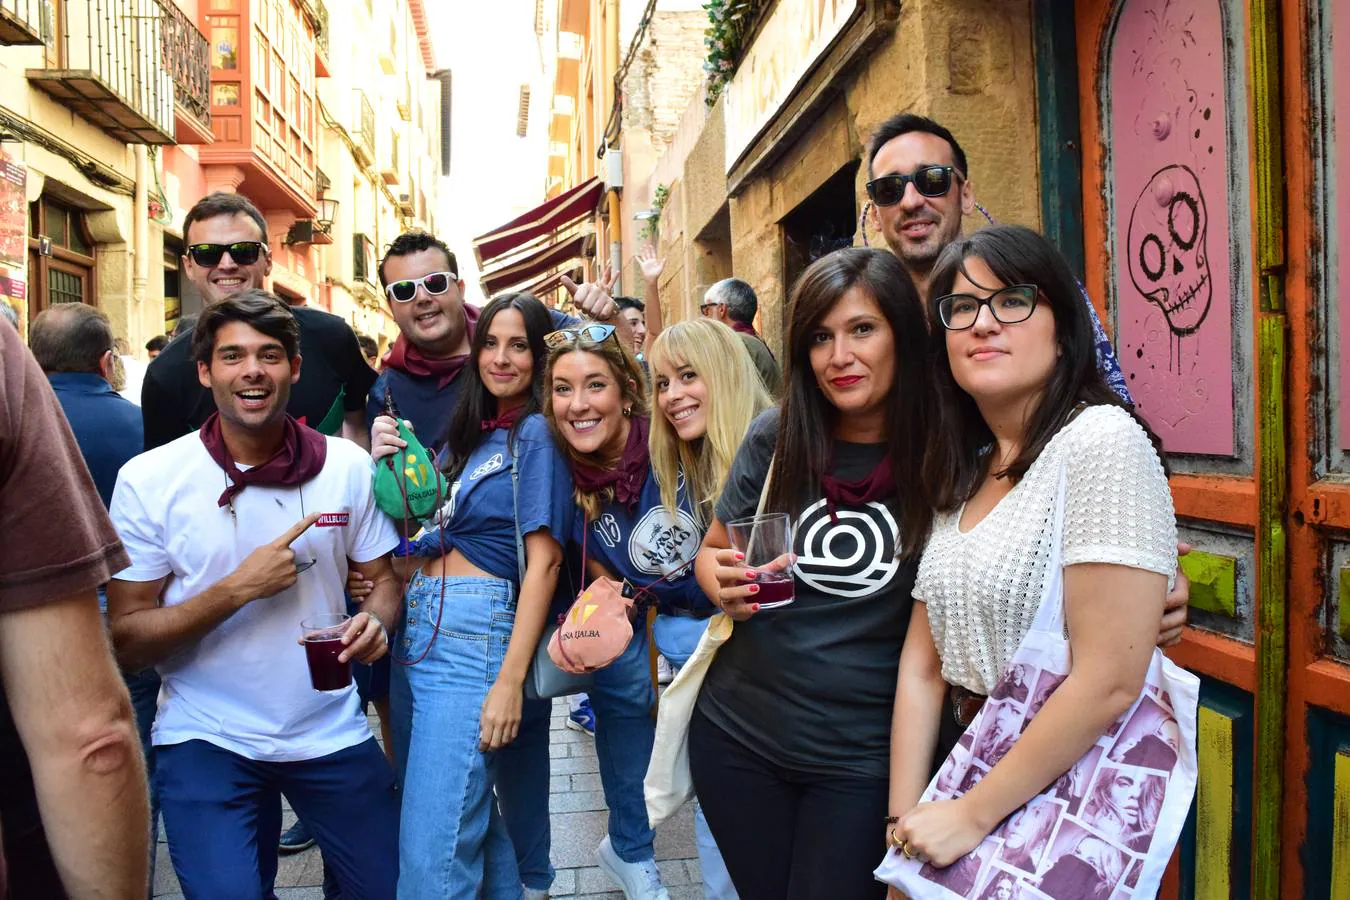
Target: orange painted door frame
1265	496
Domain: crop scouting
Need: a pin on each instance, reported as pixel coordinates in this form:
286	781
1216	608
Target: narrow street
578	813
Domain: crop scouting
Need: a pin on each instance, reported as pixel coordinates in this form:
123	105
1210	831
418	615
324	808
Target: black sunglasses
591	334
930	181
244	253
436	283
1008	305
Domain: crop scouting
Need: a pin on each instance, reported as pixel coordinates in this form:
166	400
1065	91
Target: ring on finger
905	849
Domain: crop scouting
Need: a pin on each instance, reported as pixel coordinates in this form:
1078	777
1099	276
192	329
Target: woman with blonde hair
705	393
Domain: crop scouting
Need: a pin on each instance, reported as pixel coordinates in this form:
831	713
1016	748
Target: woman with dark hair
789	739
474	613
1028	426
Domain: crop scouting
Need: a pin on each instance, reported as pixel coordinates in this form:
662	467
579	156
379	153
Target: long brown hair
628	374
806	430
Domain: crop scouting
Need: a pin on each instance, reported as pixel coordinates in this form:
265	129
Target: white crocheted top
982	587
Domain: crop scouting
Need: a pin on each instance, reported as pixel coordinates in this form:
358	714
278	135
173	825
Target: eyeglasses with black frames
930	181
1008	305
208	256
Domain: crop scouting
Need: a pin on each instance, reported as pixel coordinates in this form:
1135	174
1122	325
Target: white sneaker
665	672
638	881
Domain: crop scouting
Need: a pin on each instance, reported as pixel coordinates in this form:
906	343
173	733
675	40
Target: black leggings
786	834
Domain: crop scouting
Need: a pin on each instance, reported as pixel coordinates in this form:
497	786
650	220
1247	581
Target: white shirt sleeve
371	533
141	533
1118	508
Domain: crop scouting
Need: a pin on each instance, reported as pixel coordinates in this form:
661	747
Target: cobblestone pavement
577	808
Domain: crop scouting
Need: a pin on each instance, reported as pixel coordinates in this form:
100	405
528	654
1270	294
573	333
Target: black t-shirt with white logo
811	685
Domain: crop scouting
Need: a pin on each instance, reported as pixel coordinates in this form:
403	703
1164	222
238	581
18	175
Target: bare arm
919	696
144	633
652	266
1112	613
501	710
75	720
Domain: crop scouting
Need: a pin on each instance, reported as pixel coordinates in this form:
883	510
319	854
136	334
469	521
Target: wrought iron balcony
185	54
363	134
321	32
26	21
110	71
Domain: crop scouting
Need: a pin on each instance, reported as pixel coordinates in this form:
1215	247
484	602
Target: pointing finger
290	534
570	286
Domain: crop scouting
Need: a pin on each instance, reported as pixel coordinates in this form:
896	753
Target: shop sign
13	232
795	36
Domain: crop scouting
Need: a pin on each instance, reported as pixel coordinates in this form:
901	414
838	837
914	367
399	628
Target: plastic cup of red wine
766	542
323	645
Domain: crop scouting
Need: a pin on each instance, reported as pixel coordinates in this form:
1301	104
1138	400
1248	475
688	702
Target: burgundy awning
543	220
531	267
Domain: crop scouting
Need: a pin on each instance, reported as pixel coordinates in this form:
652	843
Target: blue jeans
144	690
448	653
522	793
222	813
622	698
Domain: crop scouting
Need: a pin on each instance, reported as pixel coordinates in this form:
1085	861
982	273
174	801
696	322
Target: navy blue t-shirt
647	543
480	513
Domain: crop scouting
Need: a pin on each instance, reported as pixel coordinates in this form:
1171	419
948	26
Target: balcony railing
363	135
25	21
321	32
110	69
186	54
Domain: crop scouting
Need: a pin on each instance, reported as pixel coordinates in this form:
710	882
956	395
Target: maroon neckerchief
743	328
407	358
628	477
299	458
877	484
503	420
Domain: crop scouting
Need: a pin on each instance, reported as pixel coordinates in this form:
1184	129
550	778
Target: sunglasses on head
930	181
208	256
1010	305
436	283
589	334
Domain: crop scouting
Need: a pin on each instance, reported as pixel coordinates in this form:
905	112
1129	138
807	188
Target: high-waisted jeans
453	640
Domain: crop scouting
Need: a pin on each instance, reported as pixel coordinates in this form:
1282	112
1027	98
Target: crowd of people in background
932	390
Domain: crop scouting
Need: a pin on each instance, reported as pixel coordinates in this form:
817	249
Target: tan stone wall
967	63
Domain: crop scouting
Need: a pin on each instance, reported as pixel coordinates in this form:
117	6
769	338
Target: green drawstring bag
408	484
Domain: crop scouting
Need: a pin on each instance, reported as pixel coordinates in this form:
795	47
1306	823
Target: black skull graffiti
1166	243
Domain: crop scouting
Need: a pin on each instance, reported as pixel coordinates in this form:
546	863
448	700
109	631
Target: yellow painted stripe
1214	814
1340	834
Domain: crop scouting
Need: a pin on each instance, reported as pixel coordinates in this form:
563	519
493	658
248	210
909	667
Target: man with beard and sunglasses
238	533
227	252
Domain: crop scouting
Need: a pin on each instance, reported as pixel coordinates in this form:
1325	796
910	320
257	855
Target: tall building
339	157
89	90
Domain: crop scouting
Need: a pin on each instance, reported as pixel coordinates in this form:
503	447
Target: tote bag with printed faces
1104	830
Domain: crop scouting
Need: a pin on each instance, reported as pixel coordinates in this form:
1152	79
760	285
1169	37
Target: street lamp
327	212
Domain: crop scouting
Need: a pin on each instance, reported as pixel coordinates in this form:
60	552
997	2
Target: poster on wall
1174	273
1339	87
13	233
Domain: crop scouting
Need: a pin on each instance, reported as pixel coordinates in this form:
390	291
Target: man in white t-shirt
236	533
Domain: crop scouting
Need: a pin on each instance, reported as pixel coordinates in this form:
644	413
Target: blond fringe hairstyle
627	373
736	394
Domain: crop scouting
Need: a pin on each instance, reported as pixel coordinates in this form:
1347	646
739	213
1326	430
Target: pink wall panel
1340	147
1168	137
